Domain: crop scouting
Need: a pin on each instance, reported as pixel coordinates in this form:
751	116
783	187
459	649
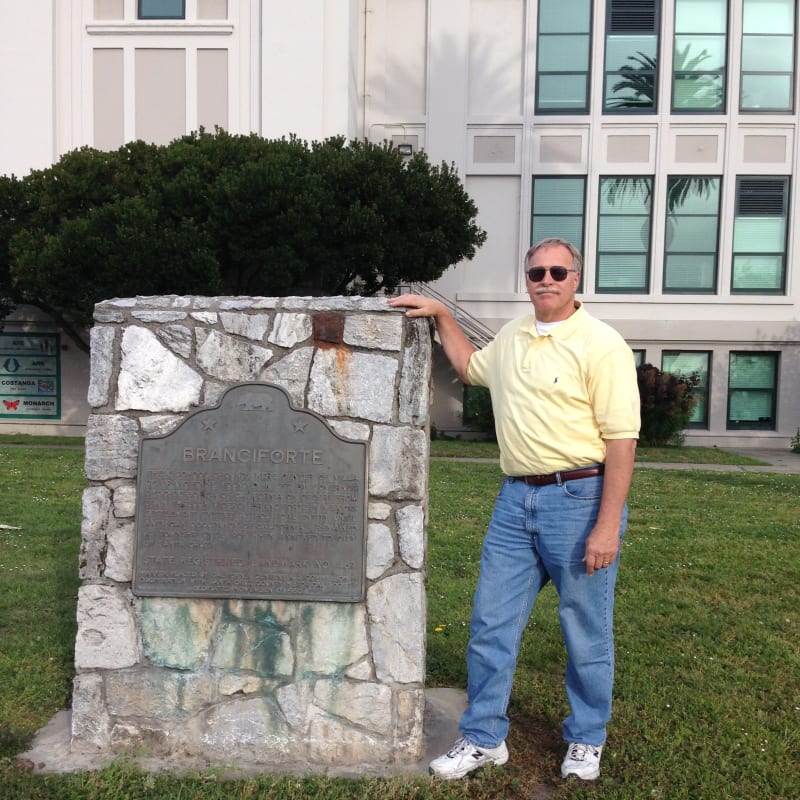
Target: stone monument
253	535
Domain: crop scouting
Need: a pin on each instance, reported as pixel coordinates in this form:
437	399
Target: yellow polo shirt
557	396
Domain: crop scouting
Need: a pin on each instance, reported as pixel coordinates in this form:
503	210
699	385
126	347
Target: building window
698	60
752	391
631	71
161	9
558	210
767	55
623	235
563	53
639	357
692	234
685	364
759	236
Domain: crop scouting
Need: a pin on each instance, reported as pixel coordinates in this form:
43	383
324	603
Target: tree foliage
226	214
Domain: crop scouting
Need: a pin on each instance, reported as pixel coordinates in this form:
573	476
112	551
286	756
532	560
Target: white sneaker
582	761
463	757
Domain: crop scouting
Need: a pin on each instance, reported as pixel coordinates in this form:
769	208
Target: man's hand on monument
418	305
457	347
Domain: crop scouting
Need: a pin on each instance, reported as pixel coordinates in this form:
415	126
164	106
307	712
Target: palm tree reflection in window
695	89
638	83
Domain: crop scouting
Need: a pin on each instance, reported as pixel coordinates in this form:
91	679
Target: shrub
667	401
478	412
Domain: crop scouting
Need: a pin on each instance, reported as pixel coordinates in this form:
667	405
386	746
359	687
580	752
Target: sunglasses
536	274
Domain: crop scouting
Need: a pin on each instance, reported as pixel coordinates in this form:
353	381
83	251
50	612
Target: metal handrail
479	334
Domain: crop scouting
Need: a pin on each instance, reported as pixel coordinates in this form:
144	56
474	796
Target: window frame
792	74
723	73
579	245
645	289
772	425
702	390
539	72
786	179
667	251
607	73
141	16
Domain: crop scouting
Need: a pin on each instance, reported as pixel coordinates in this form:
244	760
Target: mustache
546	291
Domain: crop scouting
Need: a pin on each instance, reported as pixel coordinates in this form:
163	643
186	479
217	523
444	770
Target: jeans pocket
583	488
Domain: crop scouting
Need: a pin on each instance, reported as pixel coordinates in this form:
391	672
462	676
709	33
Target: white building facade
659	136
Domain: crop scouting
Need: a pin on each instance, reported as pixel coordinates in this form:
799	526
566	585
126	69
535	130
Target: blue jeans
536	534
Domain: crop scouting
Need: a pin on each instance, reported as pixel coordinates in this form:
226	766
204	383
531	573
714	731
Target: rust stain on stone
327	327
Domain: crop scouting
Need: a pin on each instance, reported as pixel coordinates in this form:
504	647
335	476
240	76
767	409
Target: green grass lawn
707	702
460	448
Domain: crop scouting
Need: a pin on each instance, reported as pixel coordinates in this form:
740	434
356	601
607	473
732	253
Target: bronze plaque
252	499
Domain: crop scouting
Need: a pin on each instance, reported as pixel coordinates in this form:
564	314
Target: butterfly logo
11	405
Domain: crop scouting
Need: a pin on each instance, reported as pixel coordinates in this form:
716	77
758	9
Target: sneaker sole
454	776
586	778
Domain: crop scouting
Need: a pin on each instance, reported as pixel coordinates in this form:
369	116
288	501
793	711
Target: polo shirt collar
566	328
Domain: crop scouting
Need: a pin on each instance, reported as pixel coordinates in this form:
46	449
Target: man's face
553	300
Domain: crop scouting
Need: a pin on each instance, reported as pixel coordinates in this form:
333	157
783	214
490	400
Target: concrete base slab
50	752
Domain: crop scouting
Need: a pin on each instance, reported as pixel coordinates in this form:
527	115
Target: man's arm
455	344
602	544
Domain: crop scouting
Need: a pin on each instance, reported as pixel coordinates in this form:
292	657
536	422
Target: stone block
152	378
263	649
331	742
357	431
291	373
396	608
205	317
106	637
96	508
177	632
294	701
333	636
376	331
410	733
124	502
227	358
398	463
178	338
251	326
158	316
379	511
159	424
157	693
367	705
411	535
101	364
119	553
415	381
112	447
380	550
91	724
347	384
290	330
249	728
140	737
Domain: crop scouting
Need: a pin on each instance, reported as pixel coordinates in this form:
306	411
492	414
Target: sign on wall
30	372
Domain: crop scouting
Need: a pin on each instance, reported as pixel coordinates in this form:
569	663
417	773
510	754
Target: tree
224	214
11	210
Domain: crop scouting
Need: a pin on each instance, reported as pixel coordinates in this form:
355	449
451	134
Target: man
566	407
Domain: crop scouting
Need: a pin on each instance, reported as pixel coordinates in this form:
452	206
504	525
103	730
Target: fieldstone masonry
265	681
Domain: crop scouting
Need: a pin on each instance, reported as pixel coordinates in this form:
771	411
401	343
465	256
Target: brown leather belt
564	475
